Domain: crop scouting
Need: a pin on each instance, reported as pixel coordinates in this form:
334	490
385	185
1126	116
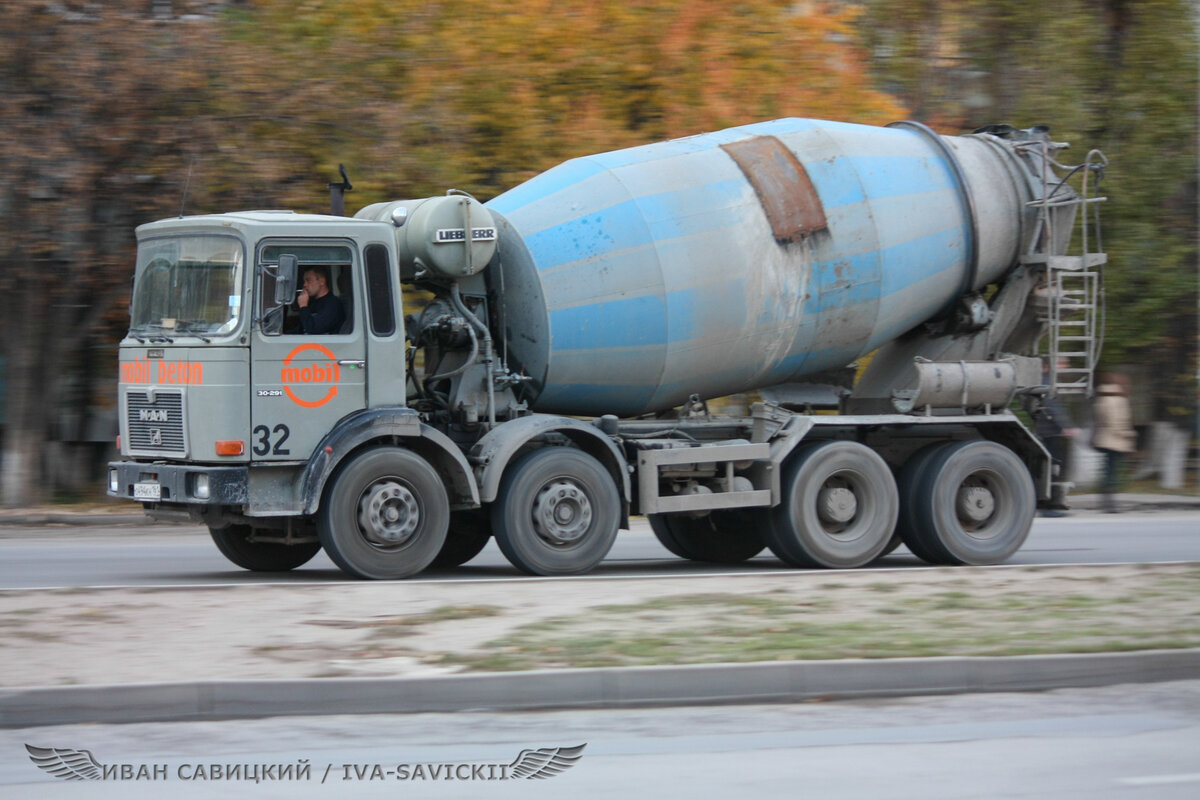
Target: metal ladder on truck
1071	289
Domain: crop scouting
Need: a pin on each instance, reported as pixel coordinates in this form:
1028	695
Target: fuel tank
744	258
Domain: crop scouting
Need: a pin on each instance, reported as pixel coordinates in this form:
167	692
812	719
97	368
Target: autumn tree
96	103
1117	75
481	95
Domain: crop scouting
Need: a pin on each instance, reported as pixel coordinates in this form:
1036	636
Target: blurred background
120	112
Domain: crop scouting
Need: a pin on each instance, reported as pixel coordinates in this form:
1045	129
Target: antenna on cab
186	185
337	193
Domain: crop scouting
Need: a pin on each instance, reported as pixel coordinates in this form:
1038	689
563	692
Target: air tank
744	258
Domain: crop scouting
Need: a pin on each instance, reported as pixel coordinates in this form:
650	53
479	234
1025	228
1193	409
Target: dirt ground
106	636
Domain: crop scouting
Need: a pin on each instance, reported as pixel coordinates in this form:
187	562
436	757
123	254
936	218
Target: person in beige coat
1113	434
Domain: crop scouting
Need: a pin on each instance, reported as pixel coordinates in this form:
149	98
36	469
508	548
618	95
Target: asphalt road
172	556
1131	741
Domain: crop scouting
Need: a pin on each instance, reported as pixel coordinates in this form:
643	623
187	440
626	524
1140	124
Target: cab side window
322	304
379	290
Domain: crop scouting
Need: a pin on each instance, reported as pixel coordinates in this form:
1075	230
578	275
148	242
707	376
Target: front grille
156	428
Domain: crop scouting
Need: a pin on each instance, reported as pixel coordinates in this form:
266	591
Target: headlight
201	487
114	482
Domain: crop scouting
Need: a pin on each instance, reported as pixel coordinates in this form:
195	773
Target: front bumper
226	486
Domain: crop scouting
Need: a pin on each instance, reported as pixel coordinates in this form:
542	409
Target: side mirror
285	279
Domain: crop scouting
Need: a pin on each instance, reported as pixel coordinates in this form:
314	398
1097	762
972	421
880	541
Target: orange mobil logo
311	378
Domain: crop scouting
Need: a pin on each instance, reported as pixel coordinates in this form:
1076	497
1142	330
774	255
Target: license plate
147	491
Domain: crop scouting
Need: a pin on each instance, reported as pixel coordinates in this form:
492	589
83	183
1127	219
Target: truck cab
206	323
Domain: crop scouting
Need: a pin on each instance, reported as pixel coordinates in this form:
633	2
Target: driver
320	310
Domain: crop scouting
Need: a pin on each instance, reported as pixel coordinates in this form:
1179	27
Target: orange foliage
485	95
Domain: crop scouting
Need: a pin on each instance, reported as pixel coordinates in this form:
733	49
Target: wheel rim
838	505
981	503
388	513
562	512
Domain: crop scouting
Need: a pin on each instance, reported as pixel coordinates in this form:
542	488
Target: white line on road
579	578
1160	780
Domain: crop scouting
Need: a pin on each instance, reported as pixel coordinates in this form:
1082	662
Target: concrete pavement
588	688
636	686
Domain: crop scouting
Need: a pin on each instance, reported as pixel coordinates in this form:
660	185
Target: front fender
396	426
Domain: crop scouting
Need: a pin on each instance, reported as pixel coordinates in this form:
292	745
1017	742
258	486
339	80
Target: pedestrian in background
1054	426
1113	436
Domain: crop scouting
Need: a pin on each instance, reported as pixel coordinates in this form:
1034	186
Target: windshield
187	285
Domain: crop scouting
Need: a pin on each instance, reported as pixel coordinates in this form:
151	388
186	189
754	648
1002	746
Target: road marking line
1160	780
249	579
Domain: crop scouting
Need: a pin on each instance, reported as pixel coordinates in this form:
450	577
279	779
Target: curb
1137	502
610	687
36	519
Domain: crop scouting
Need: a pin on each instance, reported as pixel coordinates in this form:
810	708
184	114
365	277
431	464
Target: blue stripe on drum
655	318
629	322
564	176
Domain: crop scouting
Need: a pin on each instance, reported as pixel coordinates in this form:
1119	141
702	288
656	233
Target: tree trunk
25	413
20	466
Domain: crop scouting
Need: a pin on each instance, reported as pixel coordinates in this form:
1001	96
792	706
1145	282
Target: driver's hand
302	299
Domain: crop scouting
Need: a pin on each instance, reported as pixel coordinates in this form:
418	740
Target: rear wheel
839	507
720	537
892	544
468	535
975	503
913	532
235	544
384	515
557	512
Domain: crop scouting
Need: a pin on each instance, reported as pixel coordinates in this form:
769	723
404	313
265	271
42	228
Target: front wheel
236	543
384	515
557	512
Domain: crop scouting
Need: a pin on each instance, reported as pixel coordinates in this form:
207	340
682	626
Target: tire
892	544
233	542
557	512
975	503
469	533
384	515
908	528
665	534
839	507
720	537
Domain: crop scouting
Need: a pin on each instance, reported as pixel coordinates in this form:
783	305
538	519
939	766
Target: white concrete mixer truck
557	381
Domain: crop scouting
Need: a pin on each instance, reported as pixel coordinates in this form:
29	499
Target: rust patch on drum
783	187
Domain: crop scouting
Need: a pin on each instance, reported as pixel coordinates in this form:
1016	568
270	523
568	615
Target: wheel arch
496	451
396	427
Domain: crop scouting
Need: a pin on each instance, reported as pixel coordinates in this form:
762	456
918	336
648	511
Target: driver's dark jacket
322	315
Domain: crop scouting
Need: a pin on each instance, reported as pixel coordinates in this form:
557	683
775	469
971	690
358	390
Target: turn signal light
231	448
